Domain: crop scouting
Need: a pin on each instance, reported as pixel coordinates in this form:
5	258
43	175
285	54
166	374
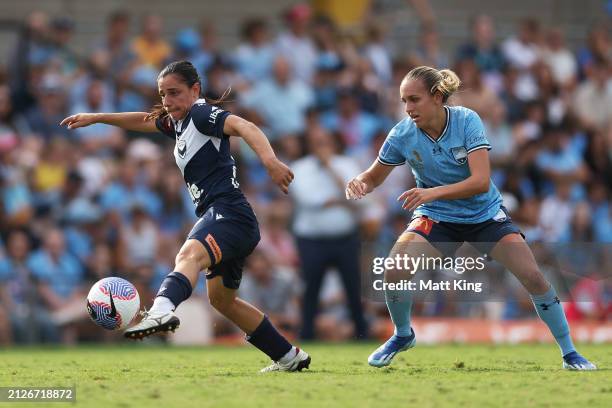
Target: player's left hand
415	197
280	174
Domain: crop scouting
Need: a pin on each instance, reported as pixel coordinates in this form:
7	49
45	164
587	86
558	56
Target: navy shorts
229	232
447	237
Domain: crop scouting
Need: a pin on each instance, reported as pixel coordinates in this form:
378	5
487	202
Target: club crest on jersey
416	162
460	154
181	147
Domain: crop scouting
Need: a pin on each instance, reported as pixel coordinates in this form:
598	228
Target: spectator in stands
326	226
580	228
129	190
115	42
499	134
327	41
98	136
295	43
60	36
597	48
186	45
51	108
59	273
254	56
149	46
325	83
12	124
483	49
599	200
281	101
139	239
428	51
60	281
522	51
20	298
16	208
556	212
377	52
593	97
561	160
275	237
474	93
209	52
356	127
31	48
560	58
49	174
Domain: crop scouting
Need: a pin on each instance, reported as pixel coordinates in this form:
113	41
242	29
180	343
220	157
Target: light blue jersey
442	162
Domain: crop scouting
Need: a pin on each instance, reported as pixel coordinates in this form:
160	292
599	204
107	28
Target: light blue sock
399	303
548	306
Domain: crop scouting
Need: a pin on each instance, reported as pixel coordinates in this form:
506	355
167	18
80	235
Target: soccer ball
112	303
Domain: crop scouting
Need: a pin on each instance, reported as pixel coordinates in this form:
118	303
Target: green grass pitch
143	375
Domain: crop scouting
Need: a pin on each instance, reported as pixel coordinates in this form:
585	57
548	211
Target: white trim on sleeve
485	146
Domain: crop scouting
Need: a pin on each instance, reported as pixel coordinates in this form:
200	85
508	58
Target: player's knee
400	271
394	275
190	253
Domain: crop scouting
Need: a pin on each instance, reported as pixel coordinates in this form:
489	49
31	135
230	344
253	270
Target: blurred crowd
81	205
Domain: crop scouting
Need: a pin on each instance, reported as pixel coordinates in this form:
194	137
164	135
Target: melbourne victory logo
181	147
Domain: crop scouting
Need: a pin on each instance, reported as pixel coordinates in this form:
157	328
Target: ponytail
444	81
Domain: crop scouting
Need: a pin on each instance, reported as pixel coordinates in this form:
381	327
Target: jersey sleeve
390	154
475	137
164	125
209	119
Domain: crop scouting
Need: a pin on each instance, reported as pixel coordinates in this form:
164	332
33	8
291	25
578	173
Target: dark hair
186	73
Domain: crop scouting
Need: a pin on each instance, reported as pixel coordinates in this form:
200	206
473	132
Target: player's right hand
280	174
79	120
355	189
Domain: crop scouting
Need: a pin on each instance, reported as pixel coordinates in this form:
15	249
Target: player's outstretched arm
257	140
127	120
367	181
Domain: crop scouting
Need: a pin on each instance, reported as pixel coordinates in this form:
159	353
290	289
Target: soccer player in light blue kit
455	201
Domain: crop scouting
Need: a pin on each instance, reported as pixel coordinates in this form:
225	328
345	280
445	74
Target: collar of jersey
443	131
183	123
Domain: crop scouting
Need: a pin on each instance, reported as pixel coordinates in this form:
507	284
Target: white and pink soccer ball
112	303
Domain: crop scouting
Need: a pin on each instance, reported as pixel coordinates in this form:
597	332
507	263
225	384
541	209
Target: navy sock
175	287
267	339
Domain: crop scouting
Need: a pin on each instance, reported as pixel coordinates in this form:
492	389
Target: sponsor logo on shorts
214	247
421	224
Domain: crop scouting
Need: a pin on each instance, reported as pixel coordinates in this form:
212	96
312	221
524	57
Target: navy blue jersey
202	153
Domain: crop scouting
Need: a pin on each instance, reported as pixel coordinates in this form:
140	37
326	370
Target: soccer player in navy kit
454	201
227	230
